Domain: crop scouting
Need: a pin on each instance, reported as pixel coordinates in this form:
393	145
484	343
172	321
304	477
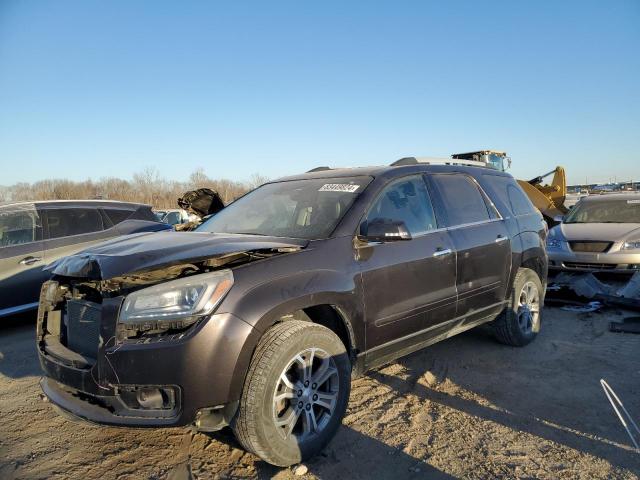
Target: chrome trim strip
482	222
440	253
432	327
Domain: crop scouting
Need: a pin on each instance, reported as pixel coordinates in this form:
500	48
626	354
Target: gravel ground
465	408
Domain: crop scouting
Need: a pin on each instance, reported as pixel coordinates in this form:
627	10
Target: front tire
295	394
520	323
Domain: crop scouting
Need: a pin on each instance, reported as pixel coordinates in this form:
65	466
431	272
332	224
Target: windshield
309	209
605	211
495	161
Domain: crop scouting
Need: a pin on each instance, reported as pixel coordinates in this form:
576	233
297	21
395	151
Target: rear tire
295	394
520	322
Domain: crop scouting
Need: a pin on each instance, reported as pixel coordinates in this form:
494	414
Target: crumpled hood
144	251
607	232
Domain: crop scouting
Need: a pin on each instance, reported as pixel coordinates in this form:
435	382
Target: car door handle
442	251
501	238
30	260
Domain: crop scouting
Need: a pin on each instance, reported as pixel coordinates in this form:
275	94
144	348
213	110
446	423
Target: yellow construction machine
548	198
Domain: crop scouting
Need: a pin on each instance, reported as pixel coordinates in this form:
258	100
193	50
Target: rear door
408	284
21	258
481	240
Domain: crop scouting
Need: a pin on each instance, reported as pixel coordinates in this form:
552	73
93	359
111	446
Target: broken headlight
175	304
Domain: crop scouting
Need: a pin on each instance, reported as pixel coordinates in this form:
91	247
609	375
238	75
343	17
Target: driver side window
406	200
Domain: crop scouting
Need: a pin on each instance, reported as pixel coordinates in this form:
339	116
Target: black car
33	234
259	319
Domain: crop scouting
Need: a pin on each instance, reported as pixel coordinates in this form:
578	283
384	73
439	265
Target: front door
21	259
409	285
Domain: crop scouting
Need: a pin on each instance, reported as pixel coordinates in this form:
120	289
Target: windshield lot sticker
633	201
339	187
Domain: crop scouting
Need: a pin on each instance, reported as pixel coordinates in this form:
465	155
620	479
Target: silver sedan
601	233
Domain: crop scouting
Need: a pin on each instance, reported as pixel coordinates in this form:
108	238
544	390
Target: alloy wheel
529	308
306	395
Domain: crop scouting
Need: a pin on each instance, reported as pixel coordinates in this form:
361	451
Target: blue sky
91	89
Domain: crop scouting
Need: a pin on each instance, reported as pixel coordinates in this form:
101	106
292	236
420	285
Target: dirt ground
465	408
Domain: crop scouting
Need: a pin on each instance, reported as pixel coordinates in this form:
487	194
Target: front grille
592	266
83	327
590	246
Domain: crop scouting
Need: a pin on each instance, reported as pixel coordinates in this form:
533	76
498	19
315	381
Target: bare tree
146	186
255	180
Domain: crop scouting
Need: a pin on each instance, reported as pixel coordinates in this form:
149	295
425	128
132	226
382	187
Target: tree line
146	186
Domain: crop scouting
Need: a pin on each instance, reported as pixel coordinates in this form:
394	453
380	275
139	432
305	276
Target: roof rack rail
436	161
319	169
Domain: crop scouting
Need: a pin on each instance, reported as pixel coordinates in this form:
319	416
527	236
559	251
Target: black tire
511	328
255	423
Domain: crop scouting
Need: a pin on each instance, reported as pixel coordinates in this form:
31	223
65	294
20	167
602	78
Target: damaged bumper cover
167	382
150	371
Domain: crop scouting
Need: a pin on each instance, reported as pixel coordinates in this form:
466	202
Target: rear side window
462	201
405	200
18	227
65	222
144	213
117	215
510	194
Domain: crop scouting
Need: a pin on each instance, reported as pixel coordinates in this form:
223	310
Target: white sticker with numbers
339	187
633	201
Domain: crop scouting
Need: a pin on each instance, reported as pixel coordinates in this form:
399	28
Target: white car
601	233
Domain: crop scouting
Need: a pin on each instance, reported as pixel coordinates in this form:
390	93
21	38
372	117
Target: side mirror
385	230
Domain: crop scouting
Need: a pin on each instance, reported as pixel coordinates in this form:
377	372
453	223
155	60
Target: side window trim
417	175
107	224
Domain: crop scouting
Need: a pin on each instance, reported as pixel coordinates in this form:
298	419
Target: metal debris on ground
585	285
632	288
568	288
626	419
589	307
628	325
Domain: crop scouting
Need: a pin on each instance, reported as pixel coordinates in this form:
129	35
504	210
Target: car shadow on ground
18	355
345	456
543	390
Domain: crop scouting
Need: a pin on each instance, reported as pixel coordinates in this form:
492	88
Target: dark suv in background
33	234
260	317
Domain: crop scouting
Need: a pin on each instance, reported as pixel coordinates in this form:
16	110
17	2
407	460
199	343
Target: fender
264	304
261	308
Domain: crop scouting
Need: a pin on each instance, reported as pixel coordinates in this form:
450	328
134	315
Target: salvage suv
259	318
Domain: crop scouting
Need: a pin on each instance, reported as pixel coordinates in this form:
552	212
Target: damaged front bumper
192	378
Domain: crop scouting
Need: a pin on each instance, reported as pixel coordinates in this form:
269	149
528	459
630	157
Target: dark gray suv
259	319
